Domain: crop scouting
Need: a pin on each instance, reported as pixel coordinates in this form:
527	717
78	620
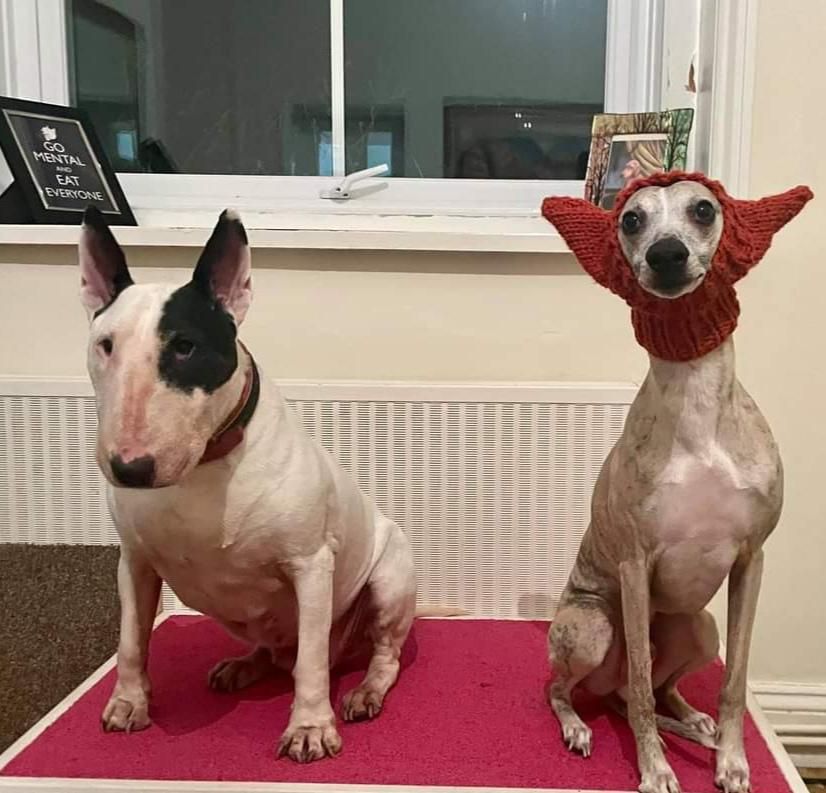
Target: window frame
637	30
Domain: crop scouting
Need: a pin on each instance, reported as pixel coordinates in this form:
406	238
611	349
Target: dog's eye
704	212
631	222
105	344
182	348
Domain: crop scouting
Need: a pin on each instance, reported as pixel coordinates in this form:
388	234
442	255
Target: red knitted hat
690	326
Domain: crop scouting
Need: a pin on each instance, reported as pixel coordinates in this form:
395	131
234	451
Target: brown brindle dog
693	487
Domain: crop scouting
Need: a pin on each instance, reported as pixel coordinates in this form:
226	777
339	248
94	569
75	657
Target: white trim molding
726	63
377	196
19	34
54	60
603	393
634	46
34	50
337	96
315	232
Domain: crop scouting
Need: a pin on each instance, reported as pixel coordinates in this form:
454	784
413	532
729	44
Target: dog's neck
238	413
690	396
690	327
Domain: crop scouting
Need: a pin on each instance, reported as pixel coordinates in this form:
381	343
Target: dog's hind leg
684	643
392	604
580	637
233	674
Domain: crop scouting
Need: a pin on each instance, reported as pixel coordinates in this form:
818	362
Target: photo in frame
626	146
59	167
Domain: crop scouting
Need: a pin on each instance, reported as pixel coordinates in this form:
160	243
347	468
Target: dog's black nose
667	257
139	472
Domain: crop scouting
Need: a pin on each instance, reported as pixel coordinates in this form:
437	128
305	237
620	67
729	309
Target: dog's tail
440	611
667	724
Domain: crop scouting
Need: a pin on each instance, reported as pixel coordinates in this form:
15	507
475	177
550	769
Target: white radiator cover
491	482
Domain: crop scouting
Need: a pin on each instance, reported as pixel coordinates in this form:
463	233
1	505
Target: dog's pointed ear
749	226
103	271
587	229
223	270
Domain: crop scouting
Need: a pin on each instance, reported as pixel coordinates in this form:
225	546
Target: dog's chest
219	558
234	578
704	508
699	476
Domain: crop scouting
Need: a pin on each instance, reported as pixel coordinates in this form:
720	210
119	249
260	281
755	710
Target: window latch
342	189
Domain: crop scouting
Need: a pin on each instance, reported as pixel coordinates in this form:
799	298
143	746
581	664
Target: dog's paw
660	779
702	723
126	711
233	674
732	772
307	743
577	738
361	703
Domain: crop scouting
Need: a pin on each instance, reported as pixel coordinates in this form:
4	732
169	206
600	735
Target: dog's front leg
655	772
311	733
743	590
138	588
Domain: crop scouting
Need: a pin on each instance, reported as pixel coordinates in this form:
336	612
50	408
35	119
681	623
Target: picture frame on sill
625	146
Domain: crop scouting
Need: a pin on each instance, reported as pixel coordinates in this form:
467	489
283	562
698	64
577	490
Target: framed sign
58	165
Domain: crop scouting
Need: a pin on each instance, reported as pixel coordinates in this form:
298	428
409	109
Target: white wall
367	315
782	336
525	317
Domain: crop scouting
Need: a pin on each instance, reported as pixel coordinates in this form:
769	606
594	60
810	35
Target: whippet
692	488
215	488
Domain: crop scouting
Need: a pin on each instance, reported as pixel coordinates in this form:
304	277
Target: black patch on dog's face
197	341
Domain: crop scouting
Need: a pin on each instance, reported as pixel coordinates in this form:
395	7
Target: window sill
406	233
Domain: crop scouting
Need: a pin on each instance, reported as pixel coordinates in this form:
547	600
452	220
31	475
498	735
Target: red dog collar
231	432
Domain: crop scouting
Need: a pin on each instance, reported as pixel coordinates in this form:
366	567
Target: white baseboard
797	713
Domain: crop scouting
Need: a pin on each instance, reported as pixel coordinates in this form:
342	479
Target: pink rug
469	709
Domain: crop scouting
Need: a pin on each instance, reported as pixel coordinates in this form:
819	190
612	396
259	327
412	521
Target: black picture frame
57	187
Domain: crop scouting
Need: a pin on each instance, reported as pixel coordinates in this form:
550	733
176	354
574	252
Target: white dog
216	489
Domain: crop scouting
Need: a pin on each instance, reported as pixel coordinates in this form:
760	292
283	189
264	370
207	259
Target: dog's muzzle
139	472
668	260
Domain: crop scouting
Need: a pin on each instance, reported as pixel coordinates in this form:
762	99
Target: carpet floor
58	622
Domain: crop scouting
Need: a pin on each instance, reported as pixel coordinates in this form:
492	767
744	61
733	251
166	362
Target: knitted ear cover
692	325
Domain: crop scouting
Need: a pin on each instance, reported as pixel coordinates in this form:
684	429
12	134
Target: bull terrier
693	487
215	488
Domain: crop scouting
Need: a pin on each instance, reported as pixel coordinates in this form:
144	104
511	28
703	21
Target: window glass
480	89
205	86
